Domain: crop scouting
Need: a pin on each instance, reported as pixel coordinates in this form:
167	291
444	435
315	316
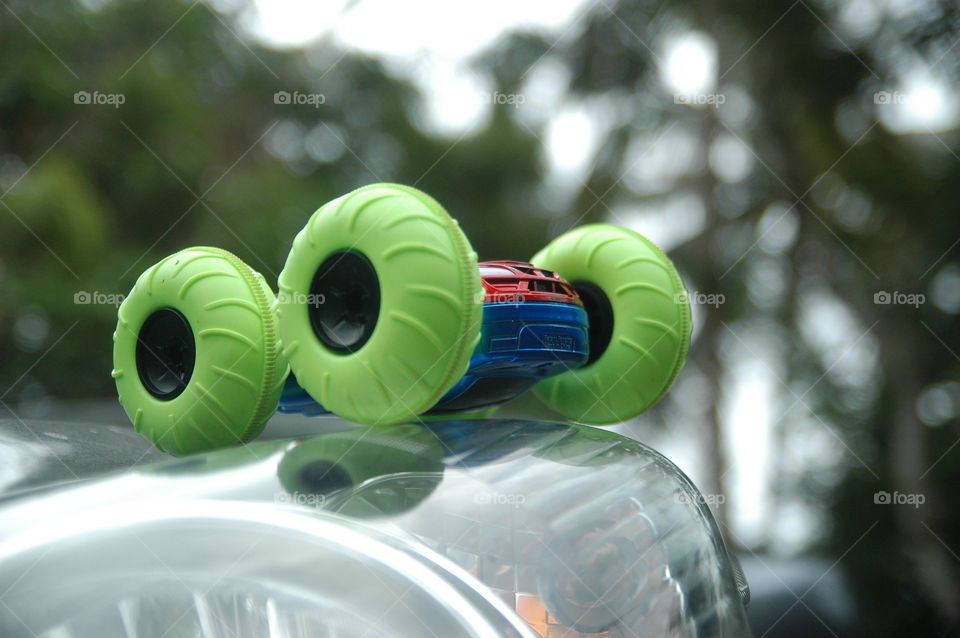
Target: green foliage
199	152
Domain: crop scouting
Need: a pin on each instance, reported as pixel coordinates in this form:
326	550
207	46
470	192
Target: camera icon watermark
700	99
488	497
897	498
504	99
298	98
505	298
97	298
696	298
297	298
897	298
710	500
97	98
888	97
306	499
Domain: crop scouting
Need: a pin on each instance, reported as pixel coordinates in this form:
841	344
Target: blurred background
798	161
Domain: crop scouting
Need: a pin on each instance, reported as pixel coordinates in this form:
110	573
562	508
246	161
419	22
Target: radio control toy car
383	314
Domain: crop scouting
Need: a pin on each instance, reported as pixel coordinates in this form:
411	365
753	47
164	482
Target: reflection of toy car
384	314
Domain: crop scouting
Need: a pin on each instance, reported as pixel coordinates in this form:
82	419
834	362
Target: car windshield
493	271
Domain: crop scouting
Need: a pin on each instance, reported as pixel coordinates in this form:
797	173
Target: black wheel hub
166	353
344	301
600	316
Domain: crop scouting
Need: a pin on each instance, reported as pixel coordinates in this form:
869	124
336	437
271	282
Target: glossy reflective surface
35	453
577	530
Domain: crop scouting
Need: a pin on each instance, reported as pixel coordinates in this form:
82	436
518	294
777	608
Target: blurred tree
866	211
198	152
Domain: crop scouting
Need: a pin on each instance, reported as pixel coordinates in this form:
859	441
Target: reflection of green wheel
370	463
196	352
485	413
639	323
380	303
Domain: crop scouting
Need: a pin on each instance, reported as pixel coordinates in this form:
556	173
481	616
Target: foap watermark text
97	298
898	498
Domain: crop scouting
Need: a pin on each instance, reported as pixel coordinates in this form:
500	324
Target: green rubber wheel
380	304
196	352
639	323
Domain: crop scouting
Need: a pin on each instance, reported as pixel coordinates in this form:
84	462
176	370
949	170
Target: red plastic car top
518	281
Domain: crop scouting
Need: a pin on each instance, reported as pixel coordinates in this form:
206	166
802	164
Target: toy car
383	314
533	326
